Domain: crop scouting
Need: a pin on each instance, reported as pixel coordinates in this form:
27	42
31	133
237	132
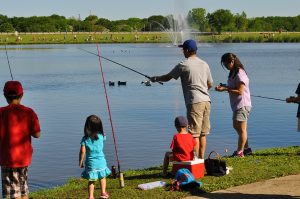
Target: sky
124	9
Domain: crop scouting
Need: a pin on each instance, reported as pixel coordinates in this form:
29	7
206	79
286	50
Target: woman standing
240	101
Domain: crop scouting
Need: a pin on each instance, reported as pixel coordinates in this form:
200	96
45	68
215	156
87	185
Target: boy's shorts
241	114
198	117
14	182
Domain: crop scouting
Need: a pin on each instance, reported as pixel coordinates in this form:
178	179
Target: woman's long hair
237	64
93	126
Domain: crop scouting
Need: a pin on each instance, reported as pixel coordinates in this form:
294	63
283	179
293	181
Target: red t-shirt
17	124
183	146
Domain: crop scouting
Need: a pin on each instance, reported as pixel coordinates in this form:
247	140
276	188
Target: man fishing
196	80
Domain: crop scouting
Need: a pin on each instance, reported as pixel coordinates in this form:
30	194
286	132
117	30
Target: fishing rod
110	119
272	98
8	63
118	64
268	98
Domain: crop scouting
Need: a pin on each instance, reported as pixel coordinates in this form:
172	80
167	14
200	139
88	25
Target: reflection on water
64	86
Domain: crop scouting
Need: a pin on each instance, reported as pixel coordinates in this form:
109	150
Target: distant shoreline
145	37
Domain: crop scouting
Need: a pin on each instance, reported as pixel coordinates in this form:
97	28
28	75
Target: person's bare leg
202	146
241	129
91	189
103	185
166	162
197	146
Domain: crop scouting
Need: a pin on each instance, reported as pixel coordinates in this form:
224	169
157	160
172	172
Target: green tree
104	23
135	24
60	22
157	23
296	22
259	24
73	25
6	27
220	19
3	19
90	20
241	21
197	17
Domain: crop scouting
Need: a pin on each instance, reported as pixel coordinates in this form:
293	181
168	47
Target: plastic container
151	185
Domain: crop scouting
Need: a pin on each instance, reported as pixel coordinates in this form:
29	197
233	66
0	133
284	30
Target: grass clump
262	165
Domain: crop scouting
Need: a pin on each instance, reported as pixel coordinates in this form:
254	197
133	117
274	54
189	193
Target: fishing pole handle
154	79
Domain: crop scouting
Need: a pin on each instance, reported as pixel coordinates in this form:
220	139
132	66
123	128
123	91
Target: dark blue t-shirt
298	93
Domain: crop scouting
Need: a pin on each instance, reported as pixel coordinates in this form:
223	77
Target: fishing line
271	98
8	64
147	76
259	96
108	107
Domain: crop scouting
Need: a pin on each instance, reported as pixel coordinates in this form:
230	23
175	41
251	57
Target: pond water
63	85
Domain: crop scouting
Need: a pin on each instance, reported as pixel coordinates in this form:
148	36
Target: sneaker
248	151
104	195
238	154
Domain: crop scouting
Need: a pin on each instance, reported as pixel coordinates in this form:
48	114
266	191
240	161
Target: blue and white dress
95	163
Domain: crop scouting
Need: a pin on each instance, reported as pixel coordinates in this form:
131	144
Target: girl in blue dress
95	167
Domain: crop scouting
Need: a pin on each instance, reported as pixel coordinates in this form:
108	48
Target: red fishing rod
110	119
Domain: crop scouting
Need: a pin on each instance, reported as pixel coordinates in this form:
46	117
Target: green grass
144	37
262	165
69	38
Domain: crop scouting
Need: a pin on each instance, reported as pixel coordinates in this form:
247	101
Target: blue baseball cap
189	45
181	121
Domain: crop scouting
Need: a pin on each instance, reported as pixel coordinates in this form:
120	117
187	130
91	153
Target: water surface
63	85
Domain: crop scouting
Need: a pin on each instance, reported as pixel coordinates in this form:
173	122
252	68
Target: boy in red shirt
17	124
182	145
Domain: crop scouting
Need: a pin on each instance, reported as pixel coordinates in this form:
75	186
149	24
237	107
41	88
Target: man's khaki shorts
198	117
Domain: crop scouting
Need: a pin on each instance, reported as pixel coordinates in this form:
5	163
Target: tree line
197	18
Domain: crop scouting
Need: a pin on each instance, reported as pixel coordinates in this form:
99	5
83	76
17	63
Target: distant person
95	167
240	101
296	100
18	124
196	80
182	145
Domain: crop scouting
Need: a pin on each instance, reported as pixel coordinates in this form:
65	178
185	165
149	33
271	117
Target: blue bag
185	179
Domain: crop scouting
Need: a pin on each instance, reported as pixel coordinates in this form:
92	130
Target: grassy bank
263	164
143	37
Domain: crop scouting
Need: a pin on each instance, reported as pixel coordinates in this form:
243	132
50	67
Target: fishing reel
146	82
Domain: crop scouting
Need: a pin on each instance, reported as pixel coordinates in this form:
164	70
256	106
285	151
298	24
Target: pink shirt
239	101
